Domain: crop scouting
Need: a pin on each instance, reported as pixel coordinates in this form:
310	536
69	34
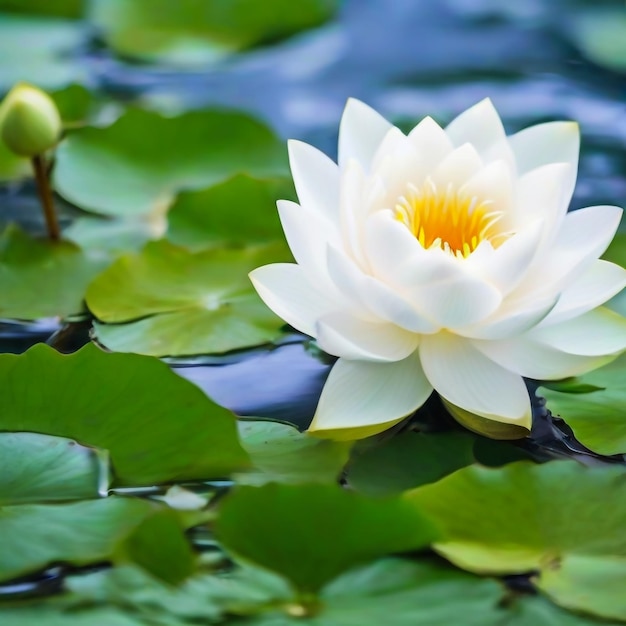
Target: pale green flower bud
30	122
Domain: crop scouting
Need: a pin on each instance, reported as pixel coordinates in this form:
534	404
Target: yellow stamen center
447	219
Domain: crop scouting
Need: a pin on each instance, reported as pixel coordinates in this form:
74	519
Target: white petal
597	284
553	142
353	210
511	319
307	233
361	398
584	235
544	193
597	332
456	302
468	379
508	264
533	359
346	335
431	141
316	178
479	125
458	167
286	289
494	183
360	133
397	257
376	297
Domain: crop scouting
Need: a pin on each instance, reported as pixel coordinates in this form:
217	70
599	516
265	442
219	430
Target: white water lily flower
443	259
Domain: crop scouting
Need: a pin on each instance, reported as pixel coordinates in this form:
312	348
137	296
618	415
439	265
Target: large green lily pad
600	33
40	468
156	426
560	519
40	50
312	533
279	453
409	460
182	303
598	418
43	278
141	161
78	533
200	31
239	211
58	8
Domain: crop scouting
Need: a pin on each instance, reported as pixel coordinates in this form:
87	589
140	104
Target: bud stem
45	196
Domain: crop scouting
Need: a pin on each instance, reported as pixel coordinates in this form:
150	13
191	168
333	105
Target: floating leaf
239	211
601	35
78	533
173	561
280	453
598	418
42	278
198	302
537	611
409	460
58	8
311	534
36	467
200	31
157	426
560	519
140	162
41	51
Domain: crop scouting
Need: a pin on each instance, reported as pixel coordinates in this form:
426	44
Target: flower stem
45	196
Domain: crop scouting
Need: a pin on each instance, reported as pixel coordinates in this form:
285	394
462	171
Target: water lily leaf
537	611
601	35
41	278
110	401
40	51
312	533
200	31
173	561
597	417
239	211
58	8
280	453
78	532
36	467
141	161
198	302
409	460
51	616
560	519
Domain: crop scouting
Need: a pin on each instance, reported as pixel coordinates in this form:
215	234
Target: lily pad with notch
167	301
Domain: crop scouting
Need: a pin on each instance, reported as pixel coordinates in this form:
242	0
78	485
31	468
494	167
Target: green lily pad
184	303
560	519
601	35
280	453
58	8
36	468
173	561
139	163
239	211
51	616
597	418
156	426
40	50
409	460
312	533
196	32
43	278
78	533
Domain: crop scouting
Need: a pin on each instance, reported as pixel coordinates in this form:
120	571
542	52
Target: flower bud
30	122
